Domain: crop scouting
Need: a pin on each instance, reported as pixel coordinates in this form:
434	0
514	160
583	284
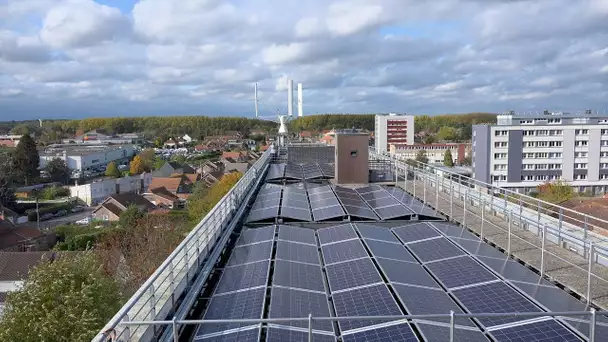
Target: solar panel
389	250
375	195
375	300
332	212
336	234
423	301
318	189
400	332
494	298
414	232
434	249
546	331
382	202
395	211
406	273
253	235
243	277
479	248
296	214
460	271
324	202
352	201
442	333
281	335
352	274
288	303
296	275
360	212
301	235
263	214
297	252
343	251
249	335
453	230
376	233
236	305
250	253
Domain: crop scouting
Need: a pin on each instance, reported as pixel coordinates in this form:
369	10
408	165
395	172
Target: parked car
61	213
77	209
84	221
46	216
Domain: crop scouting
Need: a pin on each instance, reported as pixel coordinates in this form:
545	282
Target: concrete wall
514	156
352	161
568	155
95	193
481	153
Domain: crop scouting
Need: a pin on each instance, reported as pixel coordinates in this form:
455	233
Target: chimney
300	109
290	97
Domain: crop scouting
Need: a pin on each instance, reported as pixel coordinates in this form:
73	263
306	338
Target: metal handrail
396	319
147	291
490	186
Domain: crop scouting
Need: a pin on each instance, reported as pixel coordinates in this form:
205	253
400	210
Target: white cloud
77	23
346	19
543	82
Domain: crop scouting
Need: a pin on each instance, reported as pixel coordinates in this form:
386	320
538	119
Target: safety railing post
406	172
414	181
509	225
542	251
452	201
174	332
464	209
451	325
585	227
559	231
424	190
437	193
483	209
127	331
310	327
538	212
589	272
592	325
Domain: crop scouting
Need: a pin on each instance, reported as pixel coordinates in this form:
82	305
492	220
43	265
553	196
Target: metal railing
158	296
395	319
523	219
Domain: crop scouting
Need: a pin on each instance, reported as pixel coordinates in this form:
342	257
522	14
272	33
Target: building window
604	131
528	144
604	176
501	133
555	144
542	132
500	156
527	167
528	155
542	155
581	131
528	132
500	144
526	122
541	166
580	143
554	121
604	143
603	154
580	154
542	143
500	167
580	177
580	166
553	155
603	165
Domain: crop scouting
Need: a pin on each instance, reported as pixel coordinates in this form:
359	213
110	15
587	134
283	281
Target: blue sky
80	58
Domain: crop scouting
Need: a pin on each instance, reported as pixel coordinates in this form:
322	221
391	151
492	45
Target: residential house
236	156
212	177
187	138
306	134
210	166
180	186
257	131
231	165
162	198
21	238
172	168
114	206
169	144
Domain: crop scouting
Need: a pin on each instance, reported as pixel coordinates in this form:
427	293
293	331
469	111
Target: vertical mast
255	98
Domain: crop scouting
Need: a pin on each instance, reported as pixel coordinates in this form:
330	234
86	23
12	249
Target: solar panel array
290	172
311	154
266	205
372	269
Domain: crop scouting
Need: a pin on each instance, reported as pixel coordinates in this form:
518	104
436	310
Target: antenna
255	98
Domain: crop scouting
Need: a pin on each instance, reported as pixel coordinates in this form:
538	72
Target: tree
158	163
467	161
429	139
7	193
555	192
68	299
130	217
179	158
448	160
447	133
112	170
147	157
26	160
58	170
203	199
421	157
137	166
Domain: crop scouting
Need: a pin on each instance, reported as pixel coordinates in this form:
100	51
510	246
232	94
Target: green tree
555	192
448	160
429	139
58	170
68	299
112	170
21	129
204	199
147	157
467	161
130	217
7	193
447	133
421	157
26	160
158	163
137	166
179	158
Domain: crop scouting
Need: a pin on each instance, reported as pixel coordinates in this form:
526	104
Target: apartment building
433	152
521	152
393	129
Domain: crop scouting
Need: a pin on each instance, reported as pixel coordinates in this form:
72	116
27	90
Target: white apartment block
433	152
393	129
522	152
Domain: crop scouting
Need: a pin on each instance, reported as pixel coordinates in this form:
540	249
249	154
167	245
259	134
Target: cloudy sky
81	58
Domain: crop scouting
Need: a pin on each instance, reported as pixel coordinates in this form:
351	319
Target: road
71	218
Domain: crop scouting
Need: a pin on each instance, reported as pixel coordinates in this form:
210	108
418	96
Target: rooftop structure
85	157
393	129
290	255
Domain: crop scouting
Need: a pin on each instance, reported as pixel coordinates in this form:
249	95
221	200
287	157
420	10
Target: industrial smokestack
290	97
300	110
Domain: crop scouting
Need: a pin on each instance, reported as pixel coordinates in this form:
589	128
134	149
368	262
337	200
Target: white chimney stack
300	109
290	97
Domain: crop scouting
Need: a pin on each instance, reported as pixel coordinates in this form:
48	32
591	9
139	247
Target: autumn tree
467	161
447	133
137	166
202	200
130	217
112	170
555	192
448	160
148	157
68	299
421	157
26	160
58	170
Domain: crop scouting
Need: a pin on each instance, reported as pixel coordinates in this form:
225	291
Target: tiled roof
14	235
16	265
169	183
129	198
164	193
113	208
